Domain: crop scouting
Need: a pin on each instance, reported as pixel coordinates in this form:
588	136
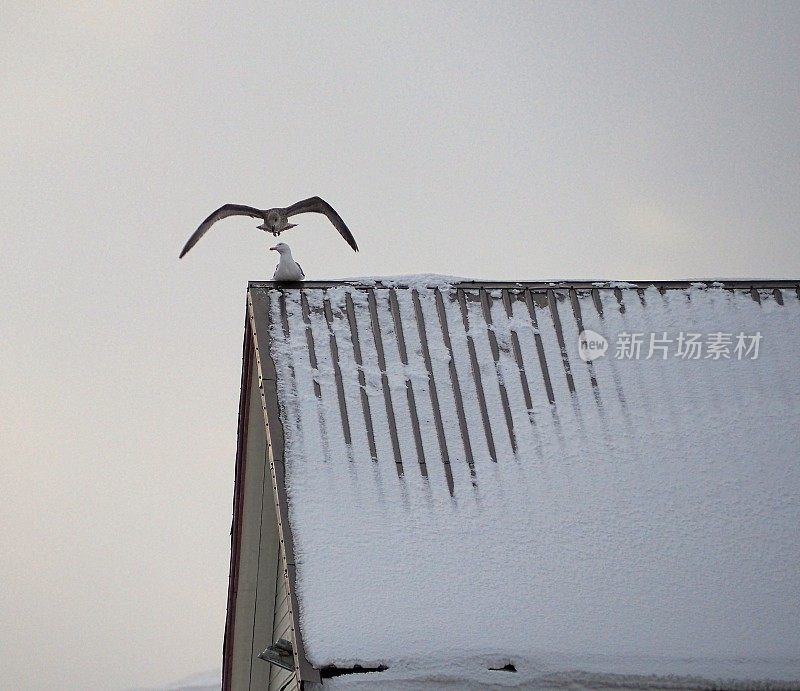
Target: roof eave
236	520
258	309
588	284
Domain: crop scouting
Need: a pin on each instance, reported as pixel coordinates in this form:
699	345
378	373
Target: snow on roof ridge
432	280
412	280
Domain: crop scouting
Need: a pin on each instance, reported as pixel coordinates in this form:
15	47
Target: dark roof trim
258	303
601	284
238	504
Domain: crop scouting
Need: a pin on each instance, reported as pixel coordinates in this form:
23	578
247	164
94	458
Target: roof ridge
389	282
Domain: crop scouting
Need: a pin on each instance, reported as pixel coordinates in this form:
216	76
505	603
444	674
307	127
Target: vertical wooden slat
598	303
487	315
537	337
312	357
518	355
476	373
778	296
337	372
362	382
312	353
576	310
412	403
437	412
284	316
387	395
618	295
462	419
553	300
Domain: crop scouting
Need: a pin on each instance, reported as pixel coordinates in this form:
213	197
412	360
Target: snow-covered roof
469	486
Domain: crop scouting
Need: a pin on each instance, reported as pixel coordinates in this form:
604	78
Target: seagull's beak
290	225
274	248
263	226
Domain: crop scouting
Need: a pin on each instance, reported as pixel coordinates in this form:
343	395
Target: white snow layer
648	525
203	681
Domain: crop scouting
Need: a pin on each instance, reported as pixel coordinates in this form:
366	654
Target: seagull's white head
276	222
282	248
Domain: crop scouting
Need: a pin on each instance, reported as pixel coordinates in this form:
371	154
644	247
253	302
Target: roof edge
258	310
236	523
404	282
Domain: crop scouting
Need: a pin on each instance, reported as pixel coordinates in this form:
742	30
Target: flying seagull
288	269
275	220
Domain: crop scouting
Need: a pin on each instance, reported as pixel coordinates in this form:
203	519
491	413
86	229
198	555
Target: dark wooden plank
362	382
576	310
437	412
515	346
537	337
553	302
618	295
476	373
598	303
337	372
312	352
487	315
394	308
387	394
462	419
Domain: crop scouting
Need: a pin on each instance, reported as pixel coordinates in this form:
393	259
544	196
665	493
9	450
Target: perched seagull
288	269
275	220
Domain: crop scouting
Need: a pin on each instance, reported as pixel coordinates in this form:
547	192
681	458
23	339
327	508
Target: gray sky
496	140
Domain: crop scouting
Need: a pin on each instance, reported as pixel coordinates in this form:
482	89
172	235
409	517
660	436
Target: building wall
281	628
260	560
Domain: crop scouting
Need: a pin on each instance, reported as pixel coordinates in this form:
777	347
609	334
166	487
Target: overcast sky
495	140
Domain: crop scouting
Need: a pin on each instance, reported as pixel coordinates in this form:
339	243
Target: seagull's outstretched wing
320	206
219	214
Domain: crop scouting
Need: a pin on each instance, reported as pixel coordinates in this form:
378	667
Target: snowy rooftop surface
644	522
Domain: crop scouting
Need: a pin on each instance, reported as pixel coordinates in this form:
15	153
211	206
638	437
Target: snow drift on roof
645	522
